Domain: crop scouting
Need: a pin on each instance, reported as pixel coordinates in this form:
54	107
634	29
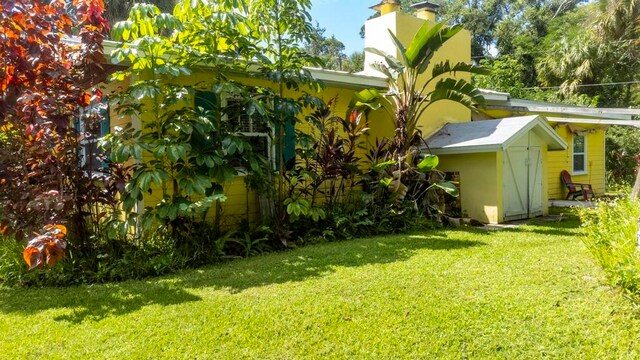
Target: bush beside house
185	154
611	231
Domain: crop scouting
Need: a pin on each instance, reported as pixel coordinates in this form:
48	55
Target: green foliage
397	174
561	45
437	294
185	153
280	27
328	164
359	214
622	147
596	44
118	10
354	63
191	245
610	231
108	261
506	74
329	49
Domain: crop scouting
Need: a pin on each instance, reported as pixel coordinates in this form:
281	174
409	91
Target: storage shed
500	163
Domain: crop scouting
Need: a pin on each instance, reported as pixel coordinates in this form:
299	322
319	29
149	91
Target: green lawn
527	293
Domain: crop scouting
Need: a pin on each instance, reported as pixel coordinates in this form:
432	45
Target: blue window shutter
289	148
105	123
289	145
205	100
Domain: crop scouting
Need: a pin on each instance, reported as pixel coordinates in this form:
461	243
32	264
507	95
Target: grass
532	292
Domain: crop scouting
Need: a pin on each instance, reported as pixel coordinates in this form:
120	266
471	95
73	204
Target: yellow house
508	164
242	203
582	128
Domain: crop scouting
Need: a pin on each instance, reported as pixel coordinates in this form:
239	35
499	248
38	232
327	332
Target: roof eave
329	77
594	121
457	150
520	105
349	80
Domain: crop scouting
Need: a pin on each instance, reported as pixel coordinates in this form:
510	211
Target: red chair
576	189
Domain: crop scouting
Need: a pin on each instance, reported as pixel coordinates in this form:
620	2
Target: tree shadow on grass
97	302
320	260
566	227
538	230
94	302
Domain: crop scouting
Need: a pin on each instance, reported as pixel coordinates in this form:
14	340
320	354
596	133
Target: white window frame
271	156
574	153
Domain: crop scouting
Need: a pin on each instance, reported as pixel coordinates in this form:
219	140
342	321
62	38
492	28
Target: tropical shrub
611	231
396	164
45	82
182	151
328	166
281	26
623	145
410	95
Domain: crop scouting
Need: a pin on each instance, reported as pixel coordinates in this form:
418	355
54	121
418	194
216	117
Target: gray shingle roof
491	135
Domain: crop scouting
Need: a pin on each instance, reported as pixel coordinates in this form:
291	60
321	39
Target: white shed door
535	181
523	175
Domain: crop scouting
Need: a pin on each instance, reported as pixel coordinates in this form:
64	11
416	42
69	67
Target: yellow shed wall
558	160
480	184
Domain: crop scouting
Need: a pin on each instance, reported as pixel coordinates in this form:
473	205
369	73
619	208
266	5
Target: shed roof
491	135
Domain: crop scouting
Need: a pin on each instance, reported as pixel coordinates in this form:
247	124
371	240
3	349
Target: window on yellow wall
579	154
92	125
254	128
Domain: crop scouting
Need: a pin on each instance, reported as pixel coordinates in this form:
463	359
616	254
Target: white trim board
606	122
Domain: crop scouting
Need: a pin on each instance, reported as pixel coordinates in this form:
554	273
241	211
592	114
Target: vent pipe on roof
426	10
387	6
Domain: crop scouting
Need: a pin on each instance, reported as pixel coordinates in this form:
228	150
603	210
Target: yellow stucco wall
562	160
480	184
457	49
113	88
242	204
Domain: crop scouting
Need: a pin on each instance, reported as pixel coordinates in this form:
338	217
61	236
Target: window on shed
579	153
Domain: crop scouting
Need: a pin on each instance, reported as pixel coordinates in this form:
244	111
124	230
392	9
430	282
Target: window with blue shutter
91	156
289	148
256	130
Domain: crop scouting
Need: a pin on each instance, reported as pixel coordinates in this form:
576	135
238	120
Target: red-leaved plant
46	248
50	62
